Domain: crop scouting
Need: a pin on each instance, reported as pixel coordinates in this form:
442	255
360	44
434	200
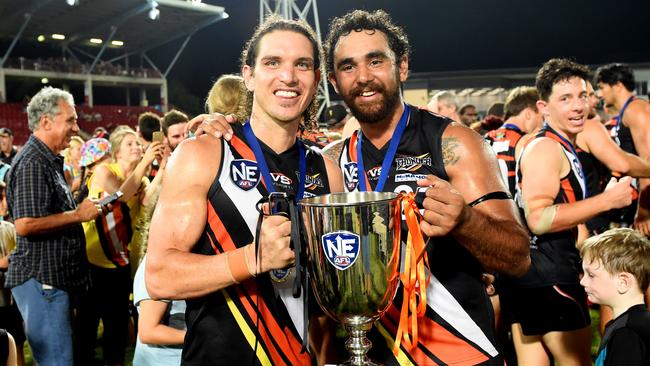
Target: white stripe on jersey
245	202
445	305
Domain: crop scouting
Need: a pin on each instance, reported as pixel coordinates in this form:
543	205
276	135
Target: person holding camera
108	241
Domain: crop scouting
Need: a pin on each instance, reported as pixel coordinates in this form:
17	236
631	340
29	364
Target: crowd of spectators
73	65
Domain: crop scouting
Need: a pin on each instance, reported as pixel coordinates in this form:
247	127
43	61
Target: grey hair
447	97
46	102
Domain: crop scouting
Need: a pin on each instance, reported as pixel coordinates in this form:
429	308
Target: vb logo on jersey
244	173
341	248
350	176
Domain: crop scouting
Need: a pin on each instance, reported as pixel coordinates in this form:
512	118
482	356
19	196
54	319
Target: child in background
616	268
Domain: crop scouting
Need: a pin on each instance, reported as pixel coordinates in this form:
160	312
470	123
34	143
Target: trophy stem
357	343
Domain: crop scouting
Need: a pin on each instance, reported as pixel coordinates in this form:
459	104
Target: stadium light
72	2
117	43
154	13
96	41
58	36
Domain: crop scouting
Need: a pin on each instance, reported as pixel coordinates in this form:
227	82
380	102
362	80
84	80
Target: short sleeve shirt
37	188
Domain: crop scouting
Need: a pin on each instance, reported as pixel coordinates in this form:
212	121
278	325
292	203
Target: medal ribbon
388	159
264	168
575	156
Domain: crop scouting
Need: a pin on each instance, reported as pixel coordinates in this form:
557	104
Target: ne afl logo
244	173
350	176
341	248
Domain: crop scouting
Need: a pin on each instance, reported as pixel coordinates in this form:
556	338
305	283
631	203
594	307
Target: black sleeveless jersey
554	257
223	328
458	325
622	135
504	141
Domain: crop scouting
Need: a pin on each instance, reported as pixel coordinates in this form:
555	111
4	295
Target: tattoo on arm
449	146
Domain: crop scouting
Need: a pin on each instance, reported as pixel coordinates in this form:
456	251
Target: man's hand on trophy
444	207
216	124
275	238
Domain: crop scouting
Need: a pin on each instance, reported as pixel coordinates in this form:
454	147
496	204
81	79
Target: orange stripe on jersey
567	190
287	343
505	157
118	230
219	231
245	151
444	345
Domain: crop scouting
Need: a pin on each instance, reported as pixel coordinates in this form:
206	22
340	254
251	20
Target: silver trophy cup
353	259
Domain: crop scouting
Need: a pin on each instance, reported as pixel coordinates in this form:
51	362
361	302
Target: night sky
450	35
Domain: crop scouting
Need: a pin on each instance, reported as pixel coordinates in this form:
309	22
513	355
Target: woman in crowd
71	167
108	239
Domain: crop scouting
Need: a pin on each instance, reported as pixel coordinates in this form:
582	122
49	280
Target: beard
376	111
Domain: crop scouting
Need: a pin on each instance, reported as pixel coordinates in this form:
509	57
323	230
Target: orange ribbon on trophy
413	277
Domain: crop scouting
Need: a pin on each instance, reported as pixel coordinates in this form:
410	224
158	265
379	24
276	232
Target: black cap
4	131
334	114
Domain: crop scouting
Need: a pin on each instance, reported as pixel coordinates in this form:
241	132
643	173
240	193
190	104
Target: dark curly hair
358	20
611	74
556	70
249	56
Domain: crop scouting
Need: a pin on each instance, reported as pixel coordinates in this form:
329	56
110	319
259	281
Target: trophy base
357	343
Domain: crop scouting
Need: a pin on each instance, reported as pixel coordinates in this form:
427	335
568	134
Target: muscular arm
637	118
492	231
172	272
543	164
595	139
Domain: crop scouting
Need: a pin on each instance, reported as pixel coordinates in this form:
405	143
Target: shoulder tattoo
449	154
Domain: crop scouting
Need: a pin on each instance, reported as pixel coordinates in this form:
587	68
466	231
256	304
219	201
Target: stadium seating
13	115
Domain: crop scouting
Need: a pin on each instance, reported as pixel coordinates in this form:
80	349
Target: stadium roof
129	21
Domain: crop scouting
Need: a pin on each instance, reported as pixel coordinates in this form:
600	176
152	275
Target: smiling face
567	106
130	149
367	75
284	80
62	126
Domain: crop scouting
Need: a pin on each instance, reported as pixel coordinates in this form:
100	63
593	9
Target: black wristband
500	195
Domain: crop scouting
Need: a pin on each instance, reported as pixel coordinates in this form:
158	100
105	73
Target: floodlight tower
290	9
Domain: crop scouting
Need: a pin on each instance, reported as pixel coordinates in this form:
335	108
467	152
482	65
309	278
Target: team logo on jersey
244	173
341	248
281	180
374	173
578	168
412	163
313	181
350	176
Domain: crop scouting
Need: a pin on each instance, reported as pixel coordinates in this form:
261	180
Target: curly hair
556	70
46	102
358	20
249	57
